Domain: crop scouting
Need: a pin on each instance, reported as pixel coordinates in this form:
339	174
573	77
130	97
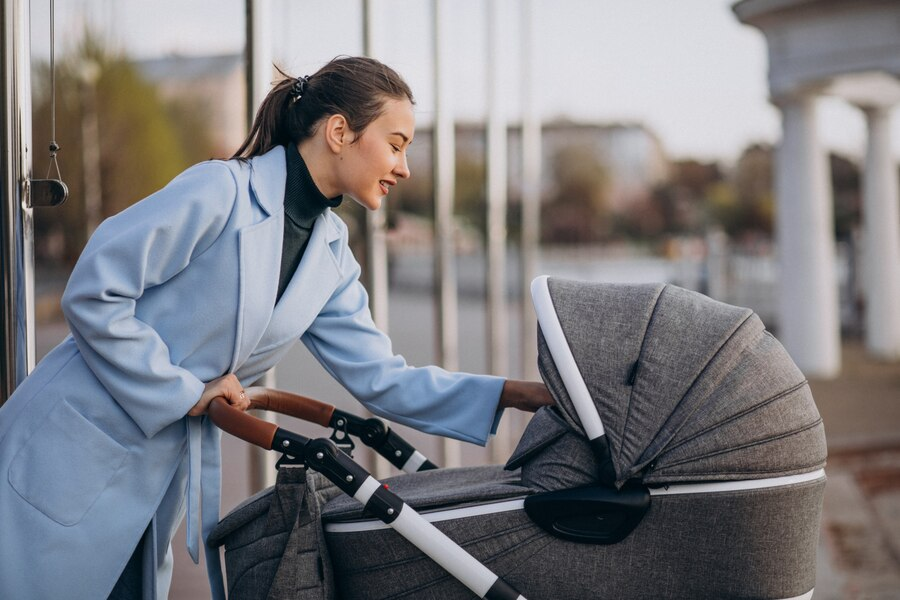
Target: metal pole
16	225
376	228
498	324
531	190
444	150
259	81
376	238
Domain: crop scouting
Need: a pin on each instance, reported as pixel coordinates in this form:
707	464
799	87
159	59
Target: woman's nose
402	169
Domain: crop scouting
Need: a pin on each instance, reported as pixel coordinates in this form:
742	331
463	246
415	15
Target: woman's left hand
525	395
227	387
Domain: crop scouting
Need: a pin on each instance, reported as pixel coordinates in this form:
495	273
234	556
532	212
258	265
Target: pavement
859	541
859	544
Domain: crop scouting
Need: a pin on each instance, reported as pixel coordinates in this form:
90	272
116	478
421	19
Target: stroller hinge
501	591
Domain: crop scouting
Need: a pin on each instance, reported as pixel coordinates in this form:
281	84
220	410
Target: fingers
242	402
228	387
525	395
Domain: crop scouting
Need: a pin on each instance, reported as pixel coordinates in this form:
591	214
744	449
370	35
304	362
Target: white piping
519	503
432	517
735	486
563	359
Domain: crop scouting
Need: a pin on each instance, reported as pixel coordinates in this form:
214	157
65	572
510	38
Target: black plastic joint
373	432
600	446
323	456
501	591
395	449
385	505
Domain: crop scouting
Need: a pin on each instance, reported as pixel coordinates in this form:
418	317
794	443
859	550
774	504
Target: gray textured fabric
274	543
751	544
544	428
553	456
688	388
438	489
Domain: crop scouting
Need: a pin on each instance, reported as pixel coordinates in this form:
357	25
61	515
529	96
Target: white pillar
531	188
444	152
881	239
497	176
259	81
808	323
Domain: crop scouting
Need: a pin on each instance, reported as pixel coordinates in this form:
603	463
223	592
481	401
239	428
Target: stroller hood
686	388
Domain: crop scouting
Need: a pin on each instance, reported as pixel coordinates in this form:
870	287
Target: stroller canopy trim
563	358
436	516
737	486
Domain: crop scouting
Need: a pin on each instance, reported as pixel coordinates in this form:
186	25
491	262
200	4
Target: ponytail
355	87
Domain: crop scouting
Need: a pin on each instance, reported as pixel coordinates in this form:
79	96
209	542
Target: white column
881	239
531	187
444	152
259	81
808	322
497	307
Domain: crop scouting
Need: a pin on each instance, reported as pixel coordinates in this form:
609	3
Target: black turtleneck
303	203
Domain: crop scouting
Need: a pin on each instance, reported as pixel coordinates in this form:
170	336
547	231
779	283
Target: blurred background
659	131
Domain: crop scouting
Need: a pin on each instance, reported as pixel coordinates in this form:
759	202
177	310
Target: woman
193	293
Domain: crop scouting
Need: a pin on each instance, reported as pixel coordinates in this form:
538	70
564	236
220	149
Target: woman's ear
337	133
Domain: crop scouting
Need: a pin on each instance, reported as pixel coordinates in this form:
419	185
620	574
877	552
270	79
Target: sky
688	70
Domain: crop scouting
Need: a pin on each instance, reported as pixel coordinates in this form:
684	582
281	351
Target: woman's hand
525	395
227	387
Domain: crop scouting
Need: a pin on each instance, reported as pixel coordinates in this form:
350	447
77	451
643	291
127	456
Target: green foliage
143	142
470	202
577	211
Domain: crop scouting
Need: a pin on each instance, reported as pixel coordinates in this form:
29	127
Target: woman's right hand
227	387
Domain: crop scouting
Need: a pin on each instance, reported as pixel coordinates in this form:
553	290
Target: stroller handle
240	424
293	405
257	431
373	432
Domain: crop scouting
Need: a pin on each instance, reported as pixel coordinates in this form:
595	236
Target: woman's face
376	160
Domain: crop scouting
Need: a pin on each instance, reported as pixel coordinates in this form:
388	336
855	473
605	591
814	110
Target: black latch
590	515
47	192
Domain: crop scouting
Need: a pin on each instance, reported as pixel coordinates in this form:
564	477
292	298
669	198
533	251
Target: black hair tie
299	88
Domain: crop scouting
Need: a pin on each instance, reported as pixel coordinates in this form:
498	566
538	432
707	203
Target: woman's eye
396	148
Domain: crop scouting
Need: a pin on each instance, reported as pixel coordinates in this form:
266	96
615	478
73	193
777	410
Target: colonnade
849	49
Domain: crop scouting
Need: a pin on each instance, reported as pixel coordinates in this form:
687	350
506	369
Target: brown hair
355	87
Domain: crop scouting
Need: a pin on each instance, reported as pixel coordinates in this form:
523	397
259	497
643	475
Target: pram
684	459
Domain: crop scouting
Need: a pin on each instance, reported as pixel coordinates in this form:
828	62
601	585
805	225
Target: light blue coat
173	292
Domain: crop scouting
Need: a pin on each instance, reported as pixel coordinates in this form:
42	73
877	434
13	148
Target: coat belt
204	492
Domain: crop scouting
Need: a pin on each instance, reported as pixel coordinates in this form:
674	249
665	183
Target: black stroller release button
589	515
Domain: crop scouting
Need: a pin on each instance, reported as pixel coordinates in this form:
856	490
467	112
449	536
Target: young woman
193	293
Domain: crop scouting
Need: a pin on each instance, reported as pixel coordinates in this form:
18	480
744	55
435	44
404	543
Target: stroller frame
324	456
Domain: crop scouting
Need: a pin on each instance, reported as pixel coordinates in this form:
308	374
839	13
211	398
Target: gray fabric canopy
688	388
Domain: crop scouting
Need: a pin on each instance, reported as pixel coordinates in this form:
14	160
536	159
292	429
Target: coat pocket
65	465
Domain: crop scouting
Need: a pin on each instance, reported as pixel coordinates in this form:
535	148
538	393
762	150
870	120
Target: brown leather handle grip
261	433
240	424
293	405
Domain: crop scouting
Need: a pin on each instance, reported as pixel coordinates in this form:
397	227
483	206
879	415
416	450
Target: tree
578	210
143	143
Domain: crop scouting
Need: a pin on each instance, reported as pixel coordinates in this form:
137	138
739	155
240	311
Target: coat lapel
260	245
259	248
313	283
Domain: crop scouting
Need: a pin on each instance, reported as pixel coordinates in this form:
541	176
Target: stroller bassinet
684	459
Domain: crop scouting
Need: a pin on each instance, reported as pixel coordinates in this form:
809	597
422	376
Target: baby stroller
684	459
